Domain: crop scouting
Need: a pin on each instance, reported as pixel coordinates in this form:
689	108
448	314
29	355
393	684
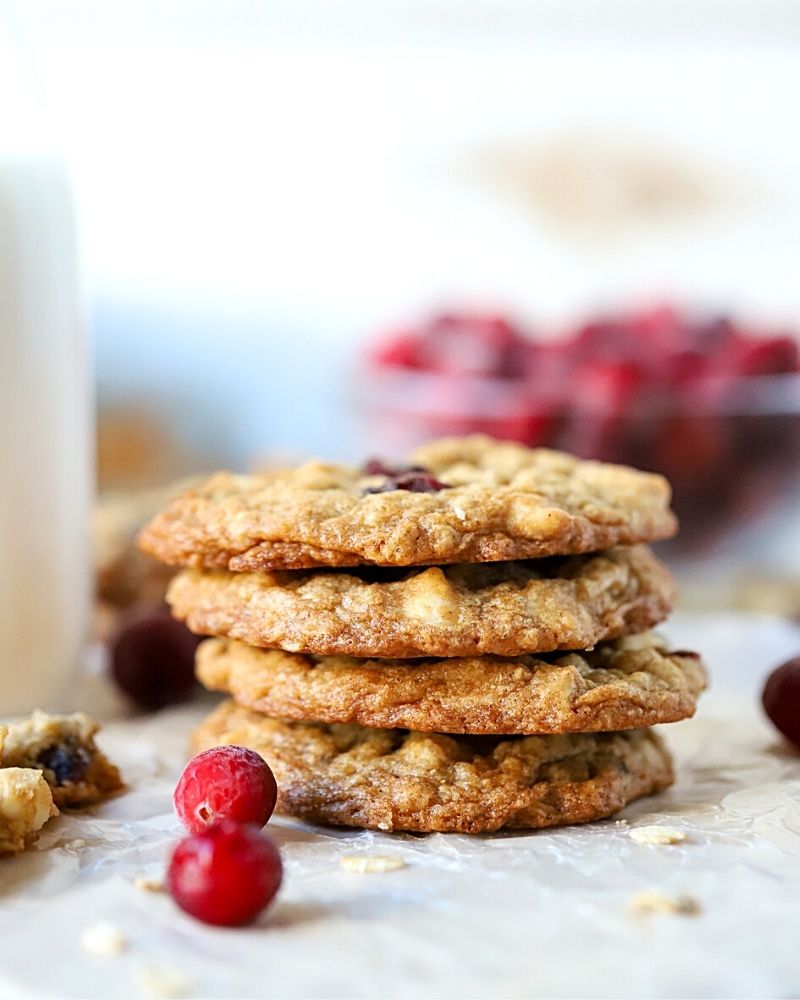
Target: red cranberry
228	782
398	351
225	875
152	660
781	699
768	356
472	344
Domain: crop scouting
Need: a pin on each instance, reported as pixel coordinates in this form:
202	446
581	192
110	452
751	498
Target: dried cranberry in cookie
415	480
63	749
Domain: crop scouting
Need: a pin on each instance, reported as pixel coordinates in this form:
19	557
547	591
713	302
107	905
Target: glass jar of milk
45	412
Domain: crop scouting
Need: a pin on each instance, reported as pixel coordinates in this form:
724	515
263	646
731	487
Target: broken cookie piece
26	804
63	750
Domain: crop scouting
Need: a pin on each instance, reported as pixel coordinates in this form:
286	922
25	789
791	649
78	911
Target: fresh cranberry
768	356
152	660
716	336
663	328
228	782
781	699
398	351
686	367
225	875
690	450
604	395
601	341
472	344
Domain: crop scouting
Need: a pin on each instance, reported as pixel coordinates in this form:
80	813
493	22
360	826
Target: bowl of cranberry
711	404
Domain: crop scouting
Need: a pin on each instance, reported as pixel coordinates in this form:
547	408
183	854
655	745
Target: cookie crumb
370	864
75	844
654	902
657	835
162	983
147	884
103	939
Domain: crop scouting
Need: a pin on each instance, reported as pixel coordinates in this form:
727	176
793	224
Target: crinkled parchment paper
542	914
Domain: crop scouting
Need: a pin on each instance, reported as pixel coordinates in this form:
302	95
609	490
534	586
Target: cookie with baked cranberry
467	499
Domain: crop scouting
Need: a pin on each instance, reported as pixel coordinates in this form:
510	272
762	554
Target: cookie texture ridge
63	749
491	501
625	684
506	608
393	779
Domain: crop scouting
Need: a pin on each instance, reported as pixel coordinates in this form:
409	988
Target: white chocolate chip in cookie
26	804
431	598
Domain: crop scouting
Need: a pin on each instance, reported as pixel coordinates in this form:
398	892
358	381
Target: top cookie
462	500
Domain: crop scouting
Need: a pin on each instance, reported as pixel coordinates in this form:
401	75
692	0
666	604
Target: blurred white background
263	185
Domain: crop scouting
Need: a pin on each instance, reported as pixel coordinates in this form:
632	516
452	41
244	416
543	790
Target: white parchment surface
517	915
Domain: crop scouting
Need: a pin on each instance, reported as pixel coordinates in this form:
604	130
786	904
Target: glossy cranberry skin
228	782
152	660
781	699
225	875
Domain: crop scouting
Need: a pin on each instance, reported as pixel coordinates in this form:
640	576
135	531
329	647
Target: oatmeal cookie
393	779
462	500
625	684
63	749
505	608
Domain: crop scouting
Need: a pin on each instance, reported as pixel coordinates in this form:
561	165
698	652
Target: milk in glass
44	414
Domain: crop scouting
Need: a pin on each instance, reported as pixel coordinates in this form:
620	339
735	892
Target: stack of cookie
459	644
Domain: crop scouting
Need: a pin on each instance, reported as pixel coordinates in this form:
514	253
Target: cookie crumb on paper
370	864
657	835
656	902
162	983
103	938
147	884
